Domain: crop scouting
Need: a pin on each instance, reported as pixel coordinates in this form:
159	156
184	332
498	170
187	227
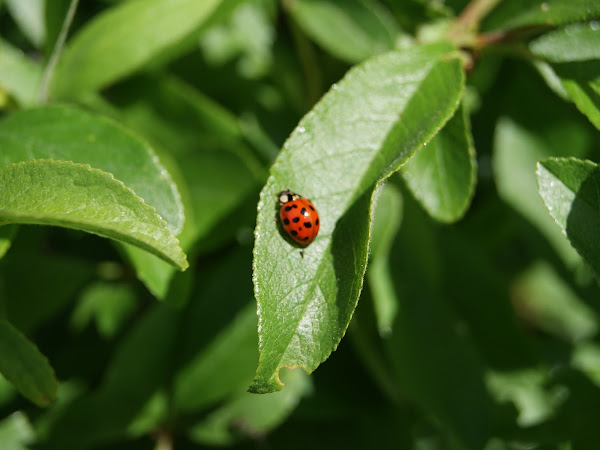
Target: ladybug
299	217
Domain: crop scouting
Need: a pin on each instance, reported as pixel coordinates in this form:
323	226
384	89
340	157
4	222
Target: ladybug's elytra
299	217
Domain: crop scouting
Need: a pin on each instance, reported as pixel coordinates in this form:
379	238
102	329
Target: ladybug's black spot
296	219
294	233
305	239
288	208
317	222
303	212
308	224
311	207
294	206
286	221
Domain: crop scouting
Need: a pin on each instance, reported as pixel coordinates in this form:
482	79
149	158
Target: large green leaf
25	367
77	196
570	187
69	134
352	31
125	38
442	174
576	42
521	13
359	133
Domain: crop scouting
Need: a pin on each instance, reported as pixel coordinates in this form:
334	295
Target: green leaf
16	433
522	13
69	134
124	39
581	81
227	363
386	222
29	15
19	75
552	305
217	353
516	152
61	193
251	415
570	187
441	175
137	371
352	31
29	274
25	367
7	233
108	304
436	366
359	133
576	42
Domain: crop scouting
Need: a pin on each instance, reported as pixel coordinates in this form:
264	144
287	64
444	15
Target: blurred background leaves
477	325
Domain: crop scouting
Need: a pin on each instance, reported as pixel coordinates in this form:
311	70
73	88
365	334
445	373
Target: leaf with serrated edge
67	133
358	134
570	187
77	196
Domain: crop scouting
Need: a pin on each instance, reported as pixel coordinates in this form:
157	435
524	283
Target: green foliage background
149	298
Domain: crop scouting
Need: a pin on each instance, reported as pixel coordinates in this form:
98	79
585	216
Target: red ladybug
299	217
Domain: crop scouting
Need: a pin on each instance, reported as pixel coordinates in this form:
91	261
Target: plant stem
56	52
474	12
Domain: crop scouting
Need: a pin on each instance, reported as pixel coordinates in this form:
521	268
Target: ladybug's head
287	196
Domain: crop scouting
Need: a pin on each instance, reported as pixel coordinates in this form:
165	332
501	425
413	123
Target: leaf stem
473	13
56	52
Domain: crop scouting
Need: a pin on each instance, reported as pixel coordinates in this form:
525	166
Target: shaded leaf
576	42
67	133
138	370
251	416
581	81
359	133
7	232
521	13
19	75
107	304
123	39
60	193
217	354
40	284
16	433
516	152
436	366
352	31
29	16
25	367
441	175
386	221
570	187
548	303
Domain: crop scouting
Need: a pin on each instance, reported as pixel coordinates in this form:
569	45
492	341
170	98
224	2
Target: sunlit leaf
360	132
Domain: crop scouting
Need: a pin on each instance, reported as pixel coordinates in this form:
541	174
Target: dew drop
594	25
301	129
